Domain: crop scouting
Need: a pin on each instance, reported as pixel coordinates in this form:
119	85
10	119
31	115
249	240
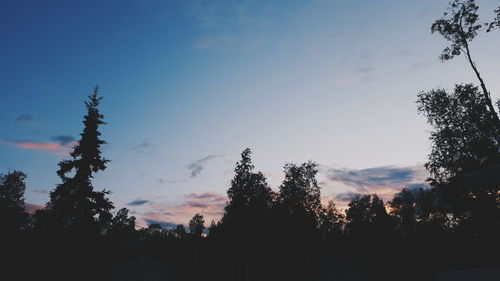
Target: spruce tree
74	205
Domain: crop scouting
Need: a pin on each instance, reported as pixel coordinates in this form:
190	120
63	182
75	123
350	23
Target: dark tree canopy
180	231
300	192
121	224
12	214
250	198
458	26
366	214
411	207
248	188
465	137
74	204
196	226
331	220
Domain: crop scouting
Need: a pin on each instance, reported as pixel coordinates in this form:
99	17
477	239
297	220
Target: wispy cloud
137	202
227	24
344	196
25	118
58	146
163	224
385	181
165	181
63	139
207	196
209	204
144	146
366	70
198	165
41	191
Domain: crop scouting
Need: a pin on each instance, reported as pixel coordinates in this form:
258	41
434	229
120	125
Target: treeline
288	234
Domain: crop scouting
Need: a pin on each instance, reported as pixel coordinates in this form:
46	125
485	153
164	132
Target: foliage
300	193
366	215
121	224
248	189
464	138
331	220
12	214
496	21
196	225
459	26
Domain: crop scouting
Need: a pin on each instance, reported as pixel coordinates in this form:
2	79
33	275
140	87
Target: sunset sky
189	84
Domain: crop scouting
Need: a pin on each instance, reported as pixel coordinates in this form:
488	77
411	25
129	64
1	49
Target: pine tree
74	205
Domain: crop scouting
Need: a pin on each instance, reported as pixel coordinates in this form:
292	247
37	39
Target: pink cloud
209	204
55	147
32	208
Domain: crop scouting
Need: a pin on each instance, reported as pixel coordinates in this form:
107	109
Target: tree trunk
483	87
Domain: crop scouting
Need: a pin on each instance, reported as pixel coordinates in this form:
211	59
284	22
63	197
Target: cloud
209	204
364	179
144	146
165	181
344	196
207	201
64	139
385	181
366	70
163	224
31	208
137	202
198	165
54	146
206	196
25	118
40	191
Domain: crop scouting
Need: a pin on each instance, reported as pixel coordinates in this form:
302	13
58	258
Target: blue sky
188	85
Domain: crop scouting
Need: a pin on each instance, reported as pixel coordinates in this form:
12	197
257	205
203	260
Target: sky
189	84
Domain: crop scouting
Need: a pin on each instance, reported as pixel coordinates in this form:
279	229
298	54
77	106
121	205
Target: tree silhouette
12	214
180	231
300	193
464	137
248	189
459	26
331	220
196	226
403	208
464	146
74	205
496	21
249	199
121	224
245	214
264	235
366	216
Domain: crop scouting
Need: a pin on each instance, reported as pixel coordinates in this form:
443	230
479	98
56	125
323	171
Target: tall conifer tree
74	205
